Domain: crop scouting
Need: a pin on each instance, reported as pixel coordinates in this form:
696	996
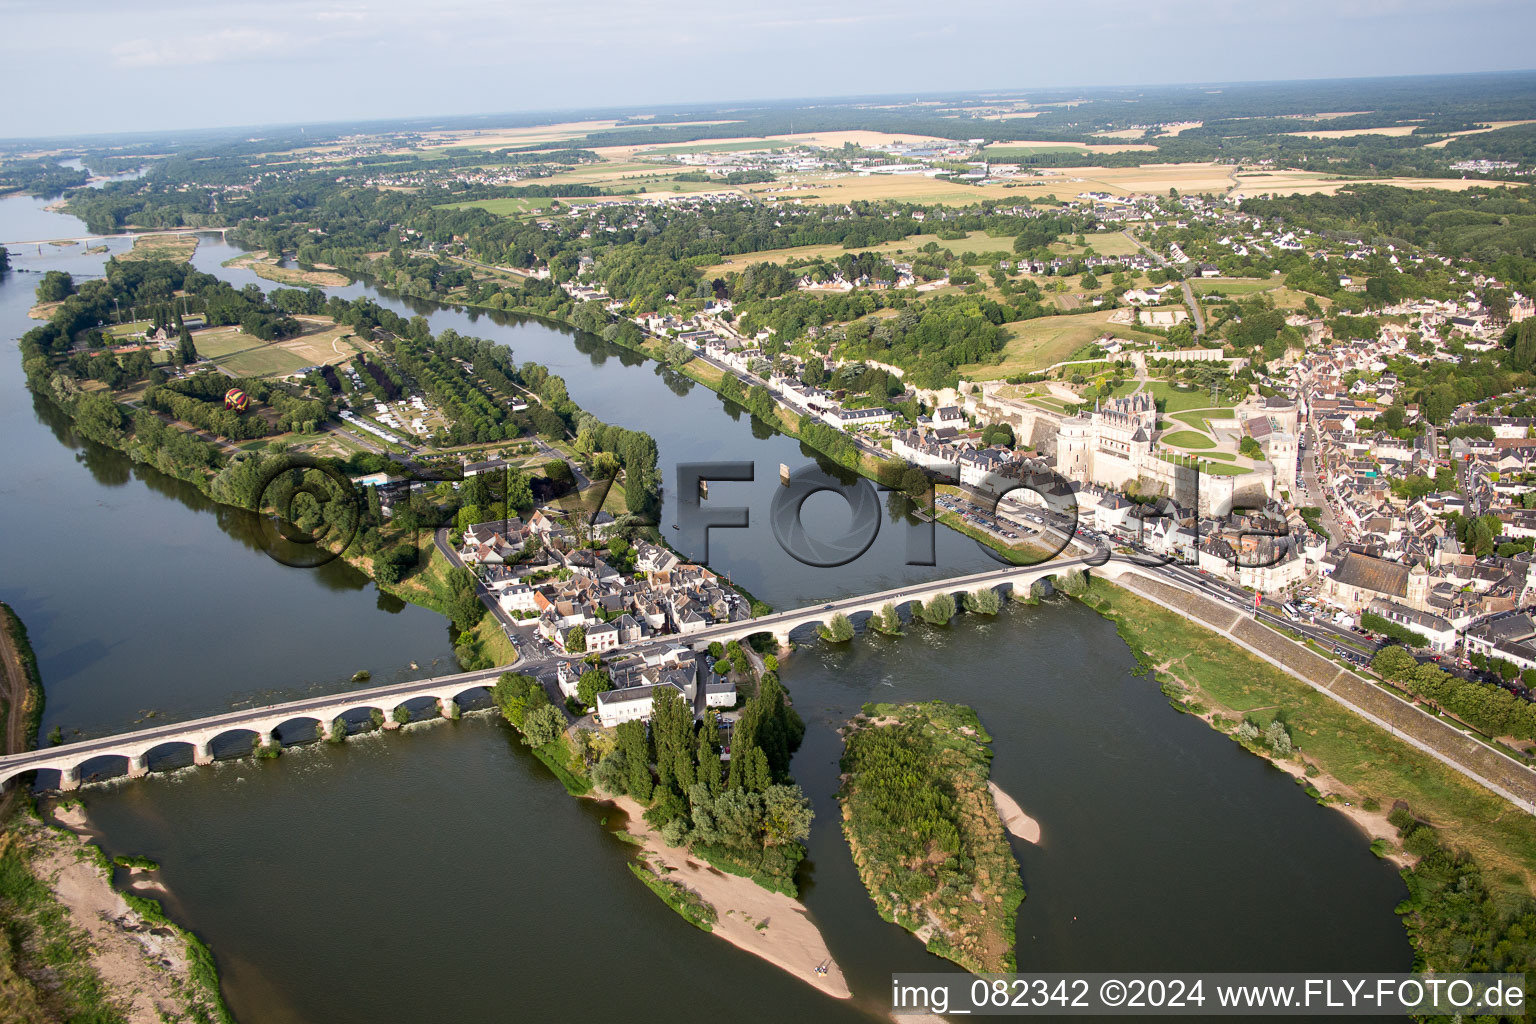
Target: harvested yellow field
1488	126
1091	147
1123	133
978	241
906	188
1158	178
1344	133
1285	183
1035	344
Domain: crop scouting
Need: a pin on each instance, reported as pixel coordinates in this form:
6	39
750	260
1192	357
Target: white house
635	703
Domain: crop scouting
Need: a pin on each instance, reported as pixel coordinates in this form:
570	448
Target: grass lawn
1035	344
240	353
263	362
135	330
1174	400
1105	243
1235	285
1188	439
1358	754
1197	418
1222	469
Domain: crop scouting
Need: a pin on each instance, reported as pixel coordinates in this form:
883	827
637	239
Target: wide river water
443	874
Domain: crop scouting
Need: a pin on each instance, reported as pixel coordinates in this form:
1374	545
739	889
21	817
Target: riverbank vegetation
745	815
1483	845
925	833
21	703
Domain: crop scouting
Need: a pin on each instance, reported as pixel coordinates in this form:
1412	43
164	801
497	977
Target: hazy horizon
174	65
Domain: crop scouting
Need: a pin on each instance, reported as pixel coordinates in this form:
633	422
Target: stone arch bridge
263	723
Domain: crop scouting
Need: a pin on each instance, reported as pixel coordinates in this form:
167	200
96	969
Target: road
125	234
1312	484
519	631
1189	293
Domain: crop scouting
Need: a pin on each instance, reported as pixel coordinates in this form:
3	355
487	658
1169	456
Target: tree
1278	738
632	745
1393	663
516	694
838	629
519	490
56	286
612	773
887	620
593	682
1251	448
543	725
576	640
787	815
982	602
940	610
462	598
186	351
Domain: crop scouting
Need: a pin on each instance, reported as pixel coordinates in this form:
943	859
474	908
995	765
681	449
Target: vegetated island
925	831
720	837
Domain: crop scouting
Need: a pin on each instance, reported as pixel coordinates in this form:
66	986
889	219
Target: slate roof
1374	574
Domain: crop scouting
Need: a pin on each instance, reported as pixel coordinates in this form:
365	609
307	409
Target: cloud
229	44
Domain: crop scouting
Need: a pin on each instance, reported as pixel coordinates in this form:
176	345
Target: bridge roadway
137	232
200	734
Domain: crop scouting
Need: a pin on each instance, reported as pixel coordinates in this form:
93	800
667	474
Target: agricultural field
512	206
239	353
1035	344
1286	183
1009	150
976	241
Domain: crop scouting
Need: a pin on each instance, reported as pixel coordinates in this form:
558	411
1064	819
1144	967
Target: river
443	874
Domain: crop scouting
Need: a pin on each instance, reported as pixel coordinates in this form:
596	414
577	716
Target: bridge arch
234	741
298	729
474	698
170	754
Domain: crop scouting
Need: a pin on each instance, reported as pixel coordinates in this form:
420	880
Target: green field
1235	285
263	362
1178	400
1188	439
1222	469
1035	344
134	330
219	343
1105	243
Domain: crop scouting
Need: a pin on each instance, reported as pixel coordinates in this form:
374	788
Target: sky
104	65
